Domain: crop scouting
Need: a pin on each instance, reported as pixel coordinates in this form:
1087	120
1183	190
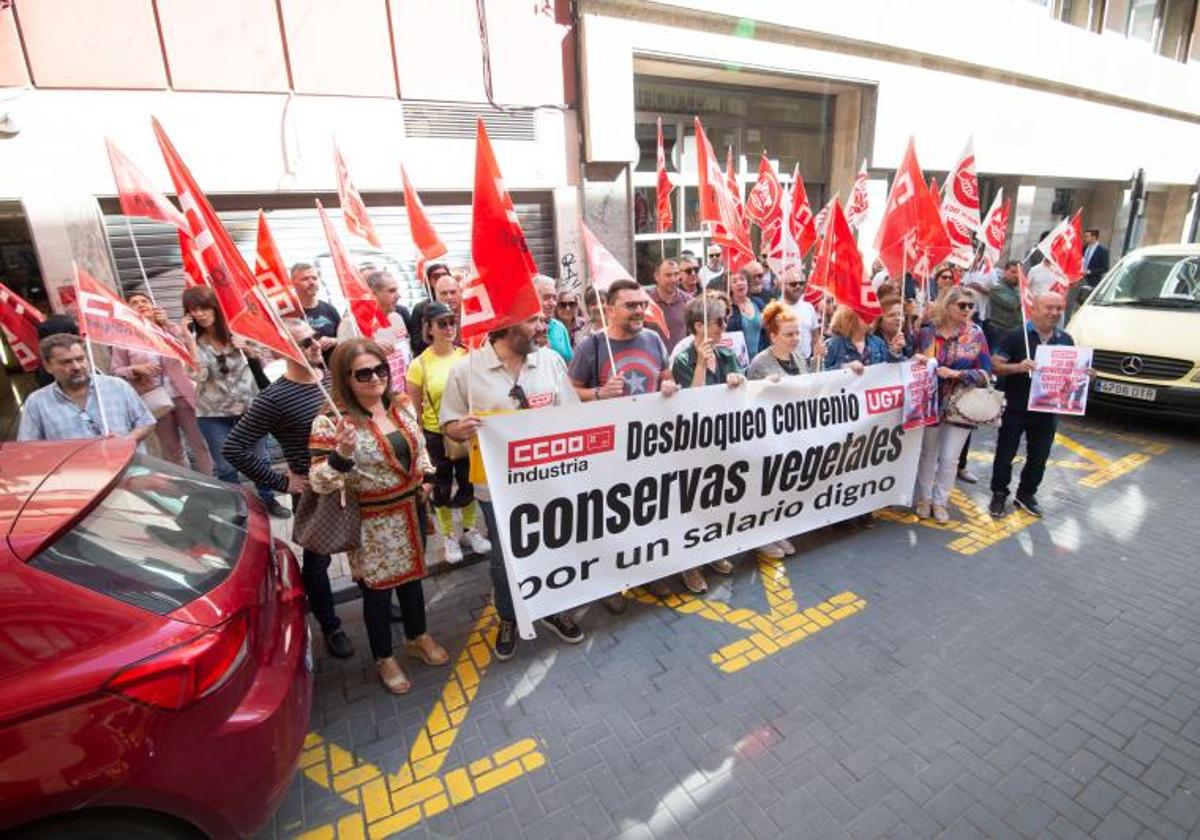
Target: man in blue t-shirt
1010	361
321	315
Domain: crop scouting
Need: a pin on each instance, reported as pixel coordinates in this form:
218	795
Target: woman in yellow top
427	377
375	451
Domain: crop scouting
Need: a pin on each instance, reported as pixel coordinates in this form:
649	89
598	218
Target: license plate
1124	389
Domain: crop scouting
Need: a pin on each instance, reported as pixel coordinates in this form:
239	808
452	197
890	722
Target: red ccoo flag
994	230
911	235
858	206
663	187
603	269
1026	294
106	319
271	274
960	207
1063	248
19	320
137	196
193	265
717	204
231	279
502	293
353	208
838	268
800	215
764	204
363	304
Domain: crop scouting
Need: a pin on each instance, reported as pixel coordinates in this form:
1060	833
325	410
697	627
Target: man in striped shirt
286	409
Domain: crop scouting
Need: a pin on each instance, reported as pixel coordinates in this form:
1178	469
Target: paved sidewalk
1019	679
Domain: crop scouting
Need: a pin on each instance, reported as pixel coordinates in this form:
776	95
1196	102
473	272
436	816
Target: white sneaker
451	552
786	545
475	542
771	550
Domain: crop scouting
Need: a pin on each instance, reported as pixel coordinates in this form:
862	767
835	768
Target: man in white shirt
712	270
509	373
793	284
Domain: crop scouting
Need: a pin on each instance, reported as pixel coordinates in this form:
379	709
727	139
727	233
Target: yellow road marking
392	802
782	626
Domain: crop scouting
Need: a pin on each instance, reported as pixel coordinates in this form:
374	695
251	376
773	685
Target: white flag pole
141	266
87	343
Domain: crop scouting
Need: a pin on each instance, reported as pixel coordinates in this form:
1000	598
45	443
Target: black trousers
377	614
449	476
314	573
1038	427
962	456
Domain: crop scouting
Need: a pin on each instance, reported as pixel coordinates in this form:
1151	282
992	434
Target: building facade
1067	101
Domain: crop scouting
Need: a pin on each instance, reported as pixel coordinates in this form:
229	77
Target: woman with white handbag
167	391
965	394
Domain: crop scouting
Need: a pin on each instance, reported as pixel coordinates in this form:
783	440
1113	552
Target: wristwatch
596	393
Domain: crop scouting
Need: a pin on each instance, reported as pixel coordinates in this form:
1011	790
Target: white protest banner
1059	382
920	393
592	501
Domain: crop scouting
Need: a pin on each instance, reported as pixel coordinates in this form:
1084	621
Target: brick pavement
1044	684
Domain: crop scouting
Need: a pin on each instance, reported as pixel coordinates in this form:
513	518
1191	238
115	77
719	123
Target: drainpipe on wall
1137	207
1193	234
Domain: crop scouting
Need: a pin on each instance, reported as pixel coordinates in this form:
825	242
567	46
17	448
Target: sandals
427	650
397	683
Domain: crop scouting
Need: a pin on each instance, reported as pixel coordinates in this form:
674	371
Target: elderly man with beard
80	403
511	372
286	409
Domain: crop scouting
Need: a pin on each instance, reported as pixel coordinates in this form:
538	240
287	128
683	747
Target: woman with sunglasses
963	361
427	377
376	451
225	384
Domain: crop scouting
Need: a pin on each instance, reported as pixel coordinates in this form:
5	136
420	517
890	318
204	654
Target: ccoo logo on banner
666	484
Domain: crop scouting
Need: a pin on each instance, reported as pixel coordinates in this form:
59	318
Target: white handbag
974	406
158	401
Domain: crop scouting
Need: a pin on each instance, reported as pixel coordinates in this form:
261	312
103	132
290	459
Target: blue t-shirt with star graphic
641	361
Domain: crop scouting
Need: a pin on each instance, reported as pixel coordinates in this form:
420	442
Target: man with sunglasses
794	283
511	372
671	300
70	407
286	409
689	273
713	272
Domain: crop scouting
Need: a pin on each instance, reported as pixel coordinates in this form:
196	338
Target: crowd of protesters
401	448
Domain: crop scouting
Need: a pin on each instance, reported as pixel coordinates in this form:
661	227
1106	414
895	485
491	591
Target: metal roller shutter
297	231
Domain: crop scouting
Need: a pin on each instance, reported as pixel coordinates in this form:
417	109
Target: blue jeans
215	430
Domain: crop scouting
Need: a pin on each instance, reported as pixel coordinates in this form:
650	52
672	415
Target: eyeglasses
567	304
307	341
518	393
635	305
795	285
444	323
965	305
688	270
365	375
945	276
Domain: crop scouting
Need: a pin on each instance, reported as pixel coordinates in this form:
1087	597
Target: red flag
735	188
994	230
502	294
137	196
1063	248
911	235
363	304
764	204
665	219
838	268
1026	294
19	320
717	203
272	276
353	208
857	207
106	319
800	215
603	269
231	279
425	237
193	265
960	207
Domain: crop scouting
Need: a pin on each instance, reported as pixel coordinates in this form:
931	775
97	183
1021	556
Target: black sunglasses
965	305
365	375
307	341
688	270
518	393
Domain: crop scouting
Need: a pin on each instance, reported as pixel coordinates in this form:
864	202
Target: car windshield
1167	281
162	537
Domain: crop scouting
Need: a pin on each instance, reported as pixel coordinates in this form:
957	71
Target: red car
154	653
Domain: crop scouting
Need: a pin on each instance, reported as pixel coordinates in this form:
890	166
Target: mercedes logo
1131	365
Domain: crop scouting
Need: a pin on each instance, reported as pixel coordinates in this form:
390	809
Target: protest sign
920	393
589	503
736	341
1059	382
